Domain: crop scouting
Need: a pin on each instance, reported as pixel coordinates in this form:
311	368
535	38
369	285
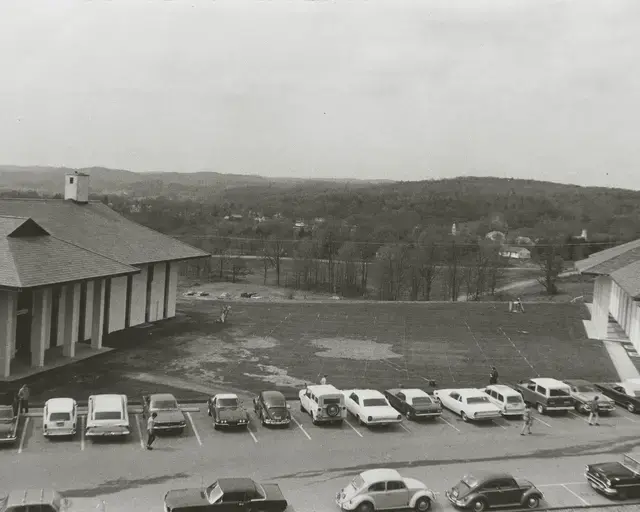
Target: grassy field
571	288
283	346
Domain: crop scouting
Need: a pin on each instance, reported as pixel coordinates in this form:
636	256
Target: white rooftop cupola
76	187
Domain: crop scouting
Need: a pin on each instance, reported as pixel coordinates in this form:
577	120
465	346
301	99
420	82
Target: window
377	487
585	389
374	402
328	401
488	392
355	398
514	399
107	415
500	397
454	395
233	497
531	385
71	180
396	486
227	402
559	392
6	414
504	483
402	396
357	483
422	400
541	390
59	416
477	399
164	404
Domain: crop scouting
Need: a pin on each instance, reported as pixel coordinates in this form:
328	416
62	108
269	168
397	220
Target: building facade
616	290
73	270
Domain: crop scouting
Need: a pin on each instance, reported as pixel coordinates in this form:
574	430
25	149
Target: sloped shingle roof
31	261
96	227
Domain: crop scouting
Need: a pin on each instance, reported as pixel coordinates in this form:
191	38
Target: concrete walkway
621	360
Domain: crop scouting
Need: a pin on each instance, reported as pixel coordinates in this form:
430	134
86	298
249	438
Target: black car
413	403
482	490
625	394
228	494
616	479
272	408
227	411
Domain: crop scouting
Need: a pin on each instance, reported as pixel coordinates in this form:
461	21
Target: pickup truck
546	395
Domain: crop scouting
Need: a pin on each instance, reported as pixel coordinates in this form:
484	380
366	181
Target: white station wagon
470	404
59	417
107	416
507	399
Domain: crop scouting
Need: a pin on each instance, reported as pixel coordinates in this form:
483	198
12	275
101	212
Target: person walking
151	437
493	376
23	398
593	415
323	380
527	420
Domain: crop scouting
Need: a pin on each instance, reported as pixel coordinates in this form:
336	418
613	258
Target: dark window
379	487
127	308
395	486
83	312
107	306
541	390
402	397
491	485
167	283
71	180
355	398
499	397
233	497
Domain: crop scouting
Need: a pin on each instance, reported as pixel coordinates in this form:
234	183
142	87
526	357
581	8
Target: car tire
631	408
422	504
532	502
541	408
365	506
479	505
622	495
302	409
216	427
409	415
464	417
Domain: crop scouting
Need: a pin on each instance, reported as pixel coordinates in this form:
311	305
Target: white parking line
353	428
543	422
450	424
579	417
193	427
253	436
301	428
402	425
561	485
625	417
139	430
81	424
23	435
585	502
495	422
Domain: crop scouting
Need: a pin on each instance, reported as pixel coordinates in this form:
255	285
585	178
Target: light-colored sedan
370	407
384	489
469	403
60	417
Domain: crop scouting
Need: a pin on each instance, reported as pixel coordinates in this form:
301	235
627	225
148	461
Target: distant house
524	240
516	253
319	220
299	224
233	217
495	236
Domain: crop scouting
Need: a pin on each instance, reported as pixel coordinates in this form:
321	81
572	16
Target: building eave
68	281
173	260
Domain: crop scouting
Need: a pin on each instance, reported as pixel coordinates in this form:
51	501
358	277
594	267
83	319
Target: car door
353	404
397	495
619	395
450	401
400	402
377	492
509	491
232	502
494	495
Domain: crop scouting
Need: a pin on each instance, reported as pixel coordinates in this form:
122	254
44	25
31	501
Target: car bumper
344	505
599	485
276	423
509	413
455	501
107	433
165	428
7	440
231	424
559	407
485	418
432	414
386	421
60	432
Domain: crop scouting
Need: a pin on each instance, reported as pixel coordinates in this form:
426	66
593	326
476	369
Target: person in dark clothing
493	376
23	397
151	437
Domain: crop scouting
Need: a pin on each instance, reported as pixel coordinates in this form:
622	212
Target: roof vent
76	187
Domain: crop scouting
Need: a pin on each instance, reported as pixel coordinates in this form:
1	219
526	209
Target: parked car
40	500
59	417
470	404
272	408
227	411
415	404
170	417
107	415
324	403
508	400
481	490
625	394
370	407
384	489
616	479
237	494
546	395
9	418
584	392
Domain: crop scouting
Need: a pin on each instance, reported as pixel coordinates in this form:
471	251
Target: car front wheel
365	507
533	502
631	408
541	409
422	505
464	416
479	506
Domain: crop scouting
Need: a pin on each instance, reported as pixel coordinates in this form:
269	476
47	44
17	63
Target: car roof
469	392
60	404
547	382
380	475
323	388
368	393
273	396
505	390
20	497
577	382
107	401
410	393
227	395
236	484
482	475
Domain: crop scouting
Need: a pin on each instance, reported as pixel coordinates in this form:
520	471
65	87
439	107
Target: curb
624	506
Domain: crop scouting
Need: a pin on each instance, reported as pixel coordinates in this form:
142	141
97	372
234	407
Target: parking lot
305	457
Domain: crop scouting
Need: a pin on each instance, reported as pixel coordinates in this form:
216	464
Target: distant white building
495	236
524	240
516	253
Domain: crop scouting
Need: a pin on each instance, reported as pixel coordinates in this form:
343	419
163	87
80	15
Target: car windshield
514	399
227	402
357	482
470	481
214	493
559	392
107	415
584	388
6	414
421	400
374	402
164	404
59	416
477	399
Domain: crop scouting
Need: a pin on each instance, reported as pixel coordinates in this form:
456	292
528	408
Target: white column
71	320
97	314
172	290
601	301
8	310
62	301
40	326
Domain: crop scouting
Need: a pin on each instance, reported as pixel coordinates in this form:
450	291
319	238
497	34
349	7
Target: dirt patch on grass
277	376
349	348
259	343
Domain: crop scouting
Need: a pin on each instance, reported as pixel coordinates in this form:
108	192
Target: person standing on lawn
593	415
527	420
151	437
323	380
23	398
493	376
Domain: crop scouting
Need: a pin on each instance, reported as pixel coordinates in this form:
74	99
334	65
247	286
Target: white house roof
60	404
546	382
107	402
380	475
502	389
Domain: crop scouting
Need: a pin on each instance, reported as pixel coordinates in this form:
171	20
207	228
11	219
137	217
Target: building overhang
178	260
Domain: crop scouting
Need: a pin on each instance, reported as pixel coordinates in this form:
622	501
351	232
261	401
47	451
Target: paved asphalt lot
311	463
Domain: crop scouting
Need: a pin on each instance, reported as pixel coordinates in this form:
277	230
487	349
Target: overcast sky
396	89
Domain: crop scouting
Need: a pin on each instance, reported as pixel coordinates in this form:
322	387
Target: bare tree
348	258
304	263
239	268
273	252
427	260
391	263
551	263
453	270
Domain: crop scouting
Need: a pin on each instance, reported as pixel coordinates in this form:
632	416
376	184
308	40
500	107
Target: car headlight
370	418
475	414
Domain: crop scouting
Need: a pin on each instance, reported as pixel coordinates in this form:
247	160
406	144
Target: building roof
621	263
96	227
31	257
